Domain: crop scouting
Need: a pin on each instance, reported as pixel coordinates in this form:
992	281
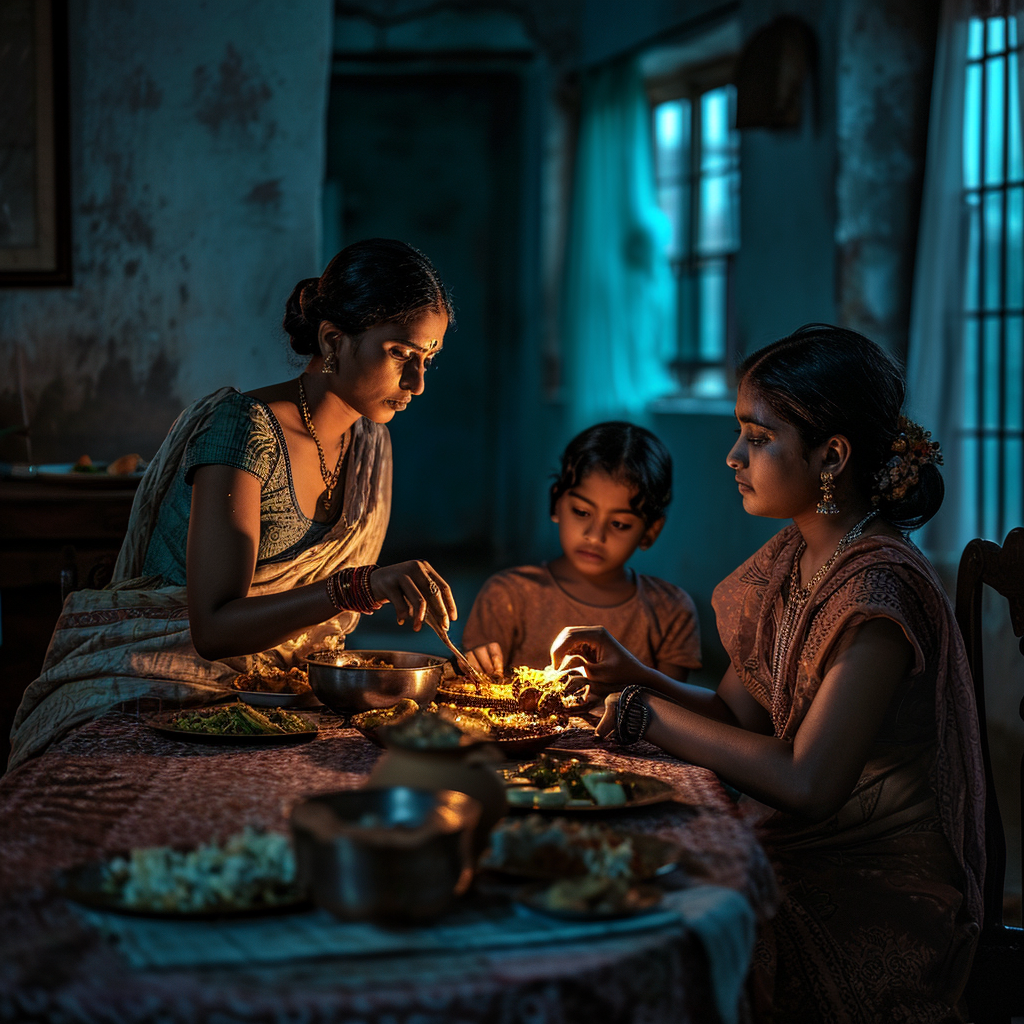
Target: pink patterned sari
882	902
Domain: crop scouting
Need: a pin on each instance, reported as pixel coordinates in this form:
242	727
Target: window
698	181
993	367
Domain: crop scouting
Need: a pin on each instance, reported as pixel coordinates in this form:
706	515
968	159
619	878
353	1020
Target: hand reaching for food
488	658
606	665
414	588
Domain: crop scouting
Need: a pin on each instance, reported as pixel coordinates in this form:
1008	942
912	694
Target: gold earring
827	506
329	364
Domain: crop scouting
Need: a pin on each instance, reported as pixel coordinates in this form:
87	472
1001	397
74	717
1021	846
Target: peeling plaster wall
197	154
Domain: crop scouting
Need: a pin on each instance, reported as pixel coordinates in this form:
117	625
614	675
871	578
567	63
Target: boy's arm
489	634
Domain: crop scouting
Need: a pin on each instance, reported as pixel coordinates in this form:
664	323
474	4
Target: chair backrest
985	563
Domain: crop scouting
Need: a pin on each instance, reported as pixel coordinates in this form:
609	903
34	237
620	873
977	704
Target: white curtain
936	364
935	355
618	301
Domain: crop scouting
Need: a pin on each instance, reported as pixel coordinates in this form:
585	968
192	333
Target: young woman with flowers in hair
846	716
254	533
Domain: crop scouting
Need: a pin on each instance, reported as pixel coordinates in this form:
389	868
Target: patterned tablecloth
116	784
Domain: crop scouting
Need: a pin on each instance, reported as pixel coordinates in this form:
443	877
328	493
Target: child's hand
606	727
607	665
488	658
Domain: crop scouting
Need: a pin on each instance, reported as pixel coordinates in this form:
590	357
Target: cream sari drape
133	640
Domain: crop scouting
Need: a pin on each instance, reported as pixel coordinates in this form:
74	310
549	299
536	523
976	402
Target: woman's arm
223	541
814	775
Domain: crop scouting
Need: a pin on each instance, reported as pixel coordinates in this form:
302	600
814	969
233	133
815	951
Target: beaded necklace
798	596
330	479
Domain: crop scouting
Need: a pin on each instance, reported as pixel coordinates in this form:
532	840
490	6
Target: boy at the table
608	499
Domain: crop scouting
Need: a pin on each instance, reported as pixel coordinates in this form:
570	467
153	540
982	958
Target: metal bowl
346	686
393	853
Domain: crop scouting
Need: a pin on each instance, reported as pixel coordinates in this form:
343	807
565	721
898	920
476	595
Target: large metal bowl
339	680
392	853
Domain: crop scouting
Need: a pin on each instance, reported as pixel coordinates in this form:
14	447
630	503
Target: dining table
116	784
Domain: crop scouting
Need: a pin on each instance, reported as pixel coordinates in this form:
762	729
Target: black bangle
632	715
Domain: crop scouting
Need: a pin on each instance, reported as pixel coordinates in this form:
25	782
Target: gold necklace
798	596
330	479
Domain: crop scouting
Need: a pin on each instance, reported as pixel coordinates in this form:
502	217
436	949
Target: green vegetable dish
568	783
240	719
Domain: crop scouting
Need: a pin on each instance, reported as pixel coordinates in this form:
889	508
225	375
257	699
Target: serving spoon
464	663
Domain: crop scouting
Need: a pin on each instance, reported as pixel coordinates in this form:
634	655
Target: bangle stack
632	715
349	590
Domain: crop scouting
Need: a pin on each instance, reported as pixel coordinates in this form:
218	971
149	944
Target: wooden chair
995	990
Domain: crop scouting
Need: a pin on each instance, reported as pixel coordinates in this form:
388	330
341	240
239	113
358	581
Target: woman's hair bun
378	280
301	333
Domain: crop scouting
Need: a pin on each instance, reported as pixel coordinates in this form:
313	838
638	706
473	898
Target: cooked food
552	781
587	894
272	680
240	719
380	717
488	723
125	465
426	731
540	691
251	869
350	659
85	465
555	848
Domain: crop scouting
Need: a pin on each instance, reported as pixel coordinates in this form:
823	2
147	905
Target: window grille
697	168
994	286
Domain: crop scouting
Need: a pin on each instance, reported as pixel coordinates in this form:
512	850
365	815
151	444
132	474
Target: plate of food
411	727
234	723
529	690
275	688
85	471
515	733
591	898
548	849
250	873
568	784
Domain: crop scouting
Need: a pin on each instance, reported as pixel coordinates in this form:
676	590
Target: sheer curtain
618	300
935	354
954	374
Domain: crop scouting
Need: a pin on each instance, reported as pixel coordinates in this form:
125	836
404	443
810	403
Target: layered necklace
330	479
798	596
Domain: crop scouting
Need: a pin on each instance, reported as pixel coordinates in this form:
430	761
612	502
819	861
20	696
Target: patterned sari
132	640
882	901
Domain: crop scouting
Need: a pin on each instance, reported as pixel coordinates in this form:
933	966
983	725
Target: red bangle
349	589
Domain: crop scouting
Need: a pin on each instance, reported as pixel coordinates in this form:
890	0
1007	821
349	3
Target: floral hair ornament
911	449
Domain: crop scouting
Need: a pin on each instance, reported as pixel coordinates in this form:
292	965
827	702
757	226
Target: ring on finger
434	588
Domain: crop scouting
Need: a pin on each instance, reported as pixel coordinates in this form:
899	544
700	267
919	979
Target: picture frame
35	178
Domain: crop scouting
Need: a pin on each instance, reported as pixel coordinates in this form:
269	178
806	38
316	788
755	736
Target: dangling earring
329	364
827	506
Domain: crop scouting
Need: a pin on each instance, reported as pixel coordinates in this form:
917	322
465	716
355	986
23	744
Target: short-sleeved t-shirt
524	609
243	433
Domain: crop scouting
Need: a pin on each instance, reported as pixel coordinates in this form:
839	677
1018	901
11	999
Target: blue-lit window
697	168
994	296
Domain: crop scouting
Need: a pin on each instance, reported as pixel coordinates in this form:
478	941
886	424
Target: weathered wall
197	152
886	57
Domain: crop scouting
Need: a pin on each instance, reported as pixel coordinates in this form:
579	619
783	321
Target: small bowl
348	688
392	853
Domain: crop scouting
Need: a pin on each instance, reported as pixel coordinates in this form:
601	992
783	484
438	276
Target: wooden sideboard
52	532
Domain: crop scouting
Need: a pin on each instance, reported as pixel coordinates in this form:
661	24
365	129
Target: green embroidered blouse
245	434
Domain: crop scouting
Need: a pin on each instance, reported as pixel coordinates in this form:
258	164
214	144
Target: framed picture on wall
35	193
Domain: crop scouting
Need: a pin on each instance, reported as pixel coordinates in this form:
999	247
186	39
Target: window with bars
697	168
993	172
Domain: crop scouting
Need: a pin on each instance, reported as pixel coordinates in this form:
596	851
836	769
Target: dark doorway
434	159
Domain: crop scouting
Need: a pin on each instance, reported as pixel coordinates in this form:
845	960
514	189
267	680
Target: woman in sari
846	716
254	531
